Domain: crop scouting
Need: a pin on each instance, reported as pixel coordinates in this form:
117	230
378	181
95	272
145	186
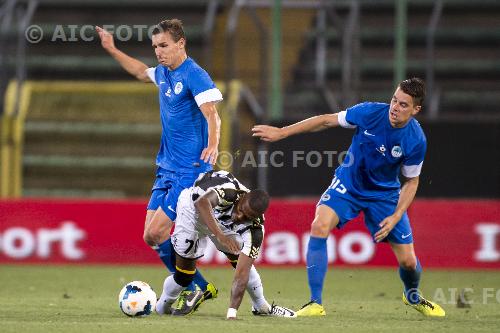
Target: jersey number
191	244
338	186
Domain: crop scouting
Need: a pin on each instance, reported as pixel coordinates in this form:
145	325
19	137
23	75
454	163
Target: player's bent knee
154	235
151	238
408	264
320	228
148	239
183	278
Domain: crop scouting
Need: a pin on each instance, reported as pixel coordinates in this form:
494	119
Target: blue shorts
347	207
166	189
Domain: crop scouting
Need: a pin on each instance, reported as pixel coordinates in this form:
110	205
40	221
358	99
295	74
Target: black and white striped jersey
228	190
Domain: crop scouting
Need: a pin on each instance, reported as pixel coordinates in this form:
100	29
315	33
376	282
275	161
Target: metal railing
325	13
348	27
433	93
16	14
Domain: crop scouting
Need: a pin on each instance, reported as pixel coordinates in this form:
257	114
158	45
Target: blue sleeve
364	113
199	81
417	155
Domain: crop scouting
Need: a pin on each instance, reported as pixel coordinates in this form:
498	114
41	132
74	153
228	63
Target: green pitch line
84	299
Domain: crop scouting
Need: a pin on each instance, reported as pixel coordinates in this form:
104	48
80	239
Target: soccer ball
137	299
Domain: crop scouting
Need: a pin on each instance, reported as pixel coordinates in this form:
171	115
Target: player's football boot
311	309
183	296
275	311
188	304
210	293
425	307
162	309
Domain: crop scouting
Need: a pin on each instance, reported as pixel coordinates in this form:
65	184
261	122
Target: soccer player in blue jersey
387	141
190	130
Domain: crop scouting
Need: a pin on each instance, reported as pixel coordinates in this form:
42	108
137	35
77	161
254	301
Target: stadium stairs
467	62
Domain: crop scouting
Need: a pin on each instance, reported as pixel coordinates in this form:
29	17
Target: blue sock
167	255
200	280
317	264
411	280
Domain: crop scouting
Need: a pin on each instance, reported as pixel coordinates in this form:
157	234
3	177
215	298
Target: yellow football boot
425	307
311	309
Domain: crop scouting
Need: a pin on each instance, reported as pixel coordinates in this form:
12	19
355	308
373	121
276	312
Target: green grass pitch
84	299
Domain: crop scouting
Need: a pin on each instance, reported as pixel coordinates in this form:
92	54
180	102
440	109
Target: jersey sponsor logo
396	151
381	150
368	133
169	91
405	236
178	88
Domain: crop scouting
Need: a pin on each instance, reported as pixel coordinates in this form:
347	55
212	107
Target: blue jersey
379	152
184	128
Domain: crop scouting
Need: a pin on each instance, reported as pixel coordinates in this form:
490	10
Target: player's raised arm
209	154
131	65
204	205
313	124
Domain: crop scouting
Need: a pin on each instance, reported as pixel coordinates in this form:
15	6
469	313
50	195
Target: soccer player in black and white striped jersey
218	207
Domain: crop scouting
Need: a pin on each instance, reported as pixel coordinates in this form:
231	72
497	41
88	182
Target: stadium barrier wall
454	167
447	233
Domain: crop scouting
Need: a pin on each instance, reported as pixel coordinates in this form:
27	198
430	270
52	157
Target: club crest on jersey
178	88
396	151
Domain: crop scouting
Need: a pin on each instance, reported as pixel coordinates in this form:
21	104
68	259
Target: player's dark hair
415	87
258	201
173	27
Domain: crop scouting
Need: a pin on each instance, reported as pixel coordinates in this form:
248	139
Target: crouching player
219	207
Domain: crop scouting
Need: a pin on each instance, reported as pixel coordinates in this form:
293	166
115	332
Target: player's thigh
187	239
157	196
149	216
188	243
334	209
325	219
171	200
405	254
158	229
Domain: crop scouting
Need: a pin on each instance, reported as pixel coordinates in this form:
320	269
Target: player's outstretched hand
209	154
386	226
268	133
107	41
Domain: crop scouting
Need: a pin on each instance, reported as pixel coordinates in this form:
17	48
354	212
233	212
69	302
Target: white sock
171	291
256	292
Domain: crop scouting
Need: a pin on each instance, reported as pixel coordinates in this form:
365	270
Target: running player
219	207
387	141
190	130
